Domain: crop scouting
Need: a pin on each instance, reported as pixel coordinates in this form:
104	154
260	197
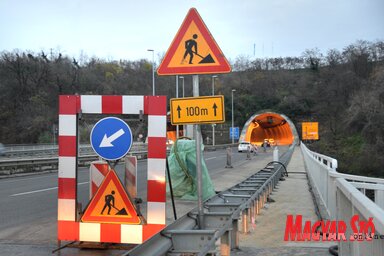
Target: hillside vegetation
343	90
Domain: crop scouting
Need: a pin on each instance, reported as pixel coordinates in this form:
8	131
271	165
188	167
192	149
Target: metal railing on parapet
26	165
51	149
34	158
84	149
343	196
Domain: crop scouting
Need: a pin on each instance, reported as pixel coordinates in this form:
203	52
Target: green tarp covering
182	167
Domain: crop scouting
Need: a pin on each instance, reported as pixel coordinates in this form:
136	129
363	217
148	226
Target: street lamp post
233	137
213	125
181	77
153	70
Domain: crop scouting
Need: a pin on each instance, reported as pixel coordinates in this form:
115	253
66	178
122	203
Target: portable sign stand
69	225
194	51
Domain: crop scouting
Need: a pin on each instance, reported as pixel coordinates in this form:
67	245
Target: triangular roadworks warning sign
111	204
193	50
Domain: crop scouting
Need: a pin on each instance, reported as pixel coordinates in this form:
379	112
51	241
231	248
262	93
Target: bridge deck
292	196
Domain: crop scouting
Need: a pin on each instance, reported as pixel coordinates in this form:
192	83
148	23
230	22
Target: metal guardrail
221	217
48	162
50	149
35	158
12	166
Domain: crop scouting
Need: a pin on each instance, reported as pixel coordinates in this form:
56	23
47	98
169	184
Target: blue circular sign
111	138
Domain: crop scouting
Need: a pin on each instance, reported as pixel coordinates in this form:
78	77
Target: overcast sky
125	29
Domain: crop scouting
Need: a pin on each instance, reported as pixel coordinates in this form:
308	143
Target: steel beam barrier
222	213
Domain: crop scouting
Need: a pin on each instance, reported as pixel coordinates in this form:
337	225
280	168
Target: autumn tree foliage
341	89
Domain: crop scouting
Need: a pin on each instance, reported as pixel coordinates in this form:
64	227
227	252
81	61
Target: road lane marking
210	158
34	191
15	179
42	190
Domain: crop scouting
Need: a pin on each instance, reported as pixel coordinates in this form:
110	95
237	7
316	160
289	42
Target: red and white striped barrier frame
69	227
130	175
97	172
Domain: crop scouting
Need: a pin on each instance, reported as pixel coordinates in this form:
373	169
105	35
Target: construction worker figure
189	45
109	202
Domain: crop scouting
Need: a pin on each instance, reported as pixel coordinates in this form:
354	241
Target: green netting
182	167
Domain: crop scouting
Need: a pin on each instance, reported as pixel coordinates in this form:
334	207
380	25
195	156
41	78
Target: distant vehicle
243	147
2	150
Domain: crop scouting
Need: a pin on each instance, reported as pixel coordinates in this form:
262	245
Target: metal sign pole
197	137
177	96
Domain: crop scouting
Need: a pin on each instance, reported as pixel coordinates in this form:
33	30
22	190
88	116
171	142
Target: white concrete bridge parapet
343	196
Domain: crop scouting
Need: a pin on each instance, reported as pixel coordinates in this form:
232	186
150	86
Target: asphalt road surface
28	207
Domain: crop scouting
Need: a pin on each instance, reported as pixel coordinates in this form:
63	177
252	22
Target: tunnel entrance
276	128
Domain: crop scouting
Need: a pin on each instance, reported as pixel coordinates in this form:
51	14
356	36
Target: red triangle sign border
87	216
223	67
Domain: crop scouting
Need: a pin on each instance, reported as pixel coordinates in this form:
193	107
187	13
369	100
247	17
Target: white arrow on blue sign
111	138
234	132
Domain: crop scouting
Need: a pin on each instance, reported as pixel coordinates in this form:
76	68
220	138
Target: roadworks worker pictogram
193	50
111	203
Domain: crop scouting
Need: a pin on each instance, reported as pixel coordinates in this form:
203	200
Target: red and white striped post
130	173
97	172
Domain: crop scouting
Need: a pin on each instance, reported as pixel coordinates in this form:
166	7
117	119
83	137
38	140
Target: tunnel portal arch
269	125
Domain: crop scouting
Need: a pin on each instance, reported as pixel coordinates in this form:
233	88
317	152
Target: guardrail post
334	164
229	158
265	195
235	234
379	198
244	220
248	153
263	198
257	206
252	212
225	246
276	154
273	183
